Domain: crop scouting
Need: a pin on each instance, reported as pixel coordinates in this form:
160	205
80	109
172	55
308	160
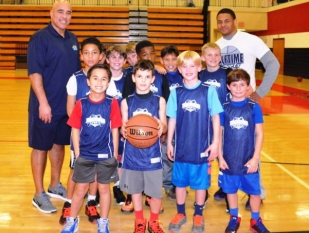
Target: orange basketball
142	130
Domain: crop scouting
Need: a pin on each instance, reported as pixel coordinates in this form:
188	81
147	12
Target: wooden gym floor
285	163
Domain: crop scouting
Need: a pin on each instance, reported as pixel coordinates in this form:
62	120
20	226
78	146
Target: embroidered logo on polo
191	106
213	82
231	57
74	47
141	111
238	123
95	120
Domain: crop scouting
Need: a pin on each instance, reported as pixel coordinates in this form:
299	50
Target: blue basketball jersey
82	86
95	134
192	111
239	135
218	80
145	159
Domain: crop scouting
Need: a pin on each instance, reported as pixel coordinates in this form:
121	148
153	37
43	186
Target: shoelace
69	224
177	218
198	220
92	210
140	227
46	198
261	225
155	226
233	223
66	212
102	224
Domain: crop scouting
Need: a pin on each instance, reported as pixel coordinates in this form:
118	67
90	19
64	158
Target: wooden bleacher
182	27
18	23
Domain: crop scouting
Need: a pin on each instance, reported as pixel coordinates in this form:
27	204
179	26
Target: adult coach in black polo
53	56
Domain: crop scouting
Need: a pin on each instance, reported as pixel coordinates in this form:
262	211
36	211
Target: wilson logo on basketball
139	132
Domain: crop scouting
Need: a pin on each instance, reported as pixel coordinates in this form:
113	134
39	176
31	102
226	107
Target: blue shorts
42	136
195	176
248	183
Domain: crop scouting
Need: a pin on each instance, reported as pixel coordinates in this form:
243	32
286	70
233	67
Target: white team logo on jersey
95	120
238	123
191	106
141	111
118	95
153	88
174	85
213	82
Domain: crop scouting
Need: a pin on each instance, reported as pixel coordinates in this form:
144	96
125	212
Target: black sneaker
233	225
206	200
257	226
118	195
219	195
91	211
66	210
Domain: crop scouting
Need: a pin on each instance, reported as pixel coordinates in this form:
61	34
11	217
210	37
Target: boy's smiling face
169	61
147	53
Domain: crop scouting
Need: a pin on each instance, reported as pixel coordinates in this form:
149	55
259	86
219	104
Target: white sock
117	183
91	197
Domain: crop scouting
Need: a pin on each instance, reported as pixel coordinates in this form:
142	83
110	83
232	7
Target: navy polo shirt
56	58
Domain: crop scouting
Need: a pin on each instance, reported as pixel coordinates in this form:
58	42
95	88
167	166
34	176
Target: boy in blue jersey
77	88
95	120
142	168
193	110
168	59
215	76
145	50
242	123
116	57
131	57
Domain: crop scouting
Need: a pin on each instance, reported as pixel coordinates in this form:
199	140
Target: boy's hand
222	163
213	151
163	138
160	127
123	130
160	69
170	151
252	165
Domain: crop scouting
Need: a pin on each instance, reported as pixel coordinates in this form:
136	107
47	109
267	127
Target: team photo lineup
141	127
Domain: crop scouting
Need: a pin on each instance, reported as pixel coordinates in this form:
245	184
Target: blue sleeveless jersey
192	111
119	85
218	80
95	134
174	79
82	86
239	135
156	87
146	159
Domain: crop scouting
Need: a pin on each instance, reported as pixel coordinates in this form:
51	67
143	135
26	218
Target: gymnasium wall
292	24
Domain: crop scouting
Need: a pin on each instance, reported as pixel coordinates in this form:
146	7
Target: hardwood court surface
285	163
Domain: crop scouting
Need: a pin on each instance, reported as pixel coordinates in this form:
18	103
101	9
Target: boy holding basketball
142	168
193	110
242	123
95	120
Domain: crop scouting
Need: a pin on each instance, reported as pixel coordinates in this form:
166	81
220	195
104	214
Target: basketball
142	130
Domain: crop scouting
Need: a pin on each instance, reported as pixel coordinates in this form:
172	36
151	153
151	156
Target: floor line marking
303	183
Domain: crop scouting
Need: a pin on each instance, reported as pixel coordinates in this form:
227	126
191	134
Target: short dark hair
92	40
169	49
99	66
144	65
142	44
227	11
237	75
